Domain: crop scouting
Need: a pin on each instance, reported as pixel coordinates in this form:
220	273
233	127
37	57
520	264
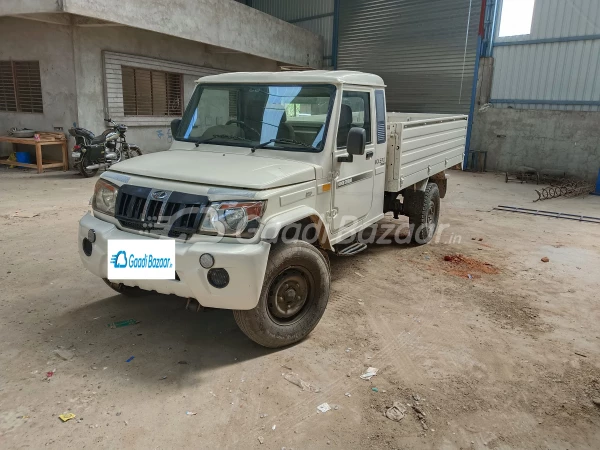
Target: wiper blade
283	141
221	136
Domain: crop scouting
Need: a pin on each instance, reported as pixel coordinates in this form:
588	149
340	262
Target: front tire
294	296
133	152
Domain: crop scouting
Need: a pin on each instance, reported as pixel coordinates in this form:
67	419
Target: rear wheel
423	213
85	172
293	299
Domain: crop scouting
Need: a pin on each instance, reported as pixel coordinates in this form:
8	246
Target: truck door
353	185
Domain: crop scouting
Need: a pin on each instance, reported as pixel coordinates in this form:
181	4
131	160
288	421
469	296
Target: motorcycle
91	152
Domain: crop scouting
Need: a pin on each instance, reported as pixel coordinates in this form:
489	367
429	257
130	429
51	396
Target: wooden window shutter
20	87
129	103
28	86
8	99
151	92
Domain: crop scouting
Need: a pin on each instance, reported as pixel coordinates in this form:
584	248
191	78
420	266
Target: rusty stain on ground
463	266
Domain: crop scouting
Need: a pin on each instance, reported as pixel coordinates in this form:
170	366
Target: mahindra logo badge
159	195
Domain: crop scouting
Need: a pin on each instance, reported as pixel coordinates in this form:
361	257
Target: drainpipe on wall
336	28
475	80
492	31
489	32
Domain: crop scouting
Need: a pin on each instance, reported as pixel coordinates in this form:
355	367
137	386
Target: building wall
315	16
90	42
51	45
566	141
72	74
545	95
223	23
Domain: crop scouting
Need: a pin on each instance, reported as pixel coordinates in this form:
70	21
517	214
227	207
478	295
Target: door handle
369	155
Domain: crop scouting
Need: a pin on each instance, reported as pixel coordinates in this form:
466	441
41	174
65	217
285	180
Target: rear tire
423	213
127	291
86	173
294	296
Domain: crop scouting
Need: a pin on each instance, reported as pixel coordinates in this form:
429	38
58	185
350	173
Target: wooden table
45	139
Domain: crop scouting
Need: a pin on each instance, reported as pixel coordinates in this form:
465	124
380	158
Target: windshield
291	117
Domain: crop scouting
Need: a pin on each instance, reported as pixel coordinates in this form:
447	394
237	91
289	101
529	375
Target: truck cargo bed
421	145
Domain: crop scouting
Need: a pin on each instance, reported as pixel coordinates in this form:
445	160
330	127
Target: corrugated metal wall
556	66
313	15
424	50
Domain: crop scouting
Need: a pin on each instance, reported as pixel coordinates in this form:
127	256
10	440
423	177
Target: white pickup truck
267	174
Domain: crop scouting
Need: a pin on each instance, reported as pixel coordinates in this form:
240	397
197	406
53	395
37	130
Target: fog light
92	236
207	261
218	278
87	247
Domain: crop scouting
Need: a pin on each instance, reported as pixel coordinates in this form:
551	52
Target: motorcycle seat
98	139
102	137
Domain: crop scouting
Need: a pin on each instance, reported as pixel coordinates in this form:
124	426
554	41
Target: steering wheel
243	125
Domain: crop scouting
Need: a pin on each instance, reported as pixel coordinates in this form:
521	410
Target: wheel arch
302	216
441	180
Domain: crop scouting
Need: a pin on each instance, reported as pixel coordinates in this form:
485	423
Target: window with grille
151	92
20	86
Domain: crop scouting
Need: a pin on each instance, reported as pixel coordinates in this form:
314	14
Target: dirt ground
493	349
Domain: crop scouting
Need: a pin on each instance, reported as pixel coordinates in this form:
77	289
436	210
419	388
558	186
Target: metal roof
338	77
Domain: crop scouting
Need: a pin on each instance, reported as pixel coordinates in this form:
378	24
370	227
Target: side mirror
357	138
175	126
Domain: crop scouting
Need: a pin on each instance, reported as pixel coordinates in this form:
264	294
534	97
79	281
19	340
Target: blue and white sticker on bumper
147	259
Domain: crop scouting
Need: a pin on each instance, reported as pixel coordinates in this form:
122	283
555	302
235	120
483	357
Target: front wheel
294	296
133	152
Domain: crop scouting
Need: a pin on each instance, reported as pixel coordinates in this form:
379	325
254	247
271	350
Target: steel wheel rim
290	295
430	219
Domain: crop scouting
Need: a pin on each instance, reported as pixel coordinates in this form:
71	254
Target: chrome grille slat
176	214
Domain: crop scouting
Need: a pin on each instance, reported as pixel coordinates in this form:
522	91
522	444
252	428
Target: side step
352	249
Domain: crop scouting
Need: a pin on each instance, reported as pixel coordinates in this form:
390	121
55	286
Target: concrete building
538	103
75	61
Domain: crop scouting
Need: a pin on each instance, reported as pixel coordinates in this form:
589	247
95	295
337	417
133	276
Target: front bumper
246	264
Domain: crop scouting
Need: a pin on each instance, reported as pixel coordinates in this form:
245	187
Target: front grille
167	213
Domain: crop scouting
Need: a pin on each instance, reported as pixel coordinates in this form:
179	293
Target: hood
218	169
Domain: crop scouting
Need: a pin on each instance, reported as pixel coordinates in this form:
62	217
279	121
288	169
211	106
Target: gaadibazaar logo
141	259
120	261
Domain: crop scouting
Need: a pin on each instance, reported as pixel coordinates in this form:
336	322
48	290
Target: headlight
105	197
237	219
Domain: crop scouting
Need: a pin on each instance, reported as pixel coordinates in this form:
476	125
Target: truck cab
267	173
306	124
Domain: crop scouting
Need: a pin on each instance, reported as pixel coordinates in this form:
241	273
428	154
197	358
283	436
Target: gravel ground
491	349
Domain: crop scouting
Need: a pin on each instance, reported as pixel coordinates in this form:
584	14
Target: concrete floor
507	359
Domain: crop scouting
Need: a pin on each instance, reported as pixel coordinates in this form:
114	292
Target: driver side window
355	112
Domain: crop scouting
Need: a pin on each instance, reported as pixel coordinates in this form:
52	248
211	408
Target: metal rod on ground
555	215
